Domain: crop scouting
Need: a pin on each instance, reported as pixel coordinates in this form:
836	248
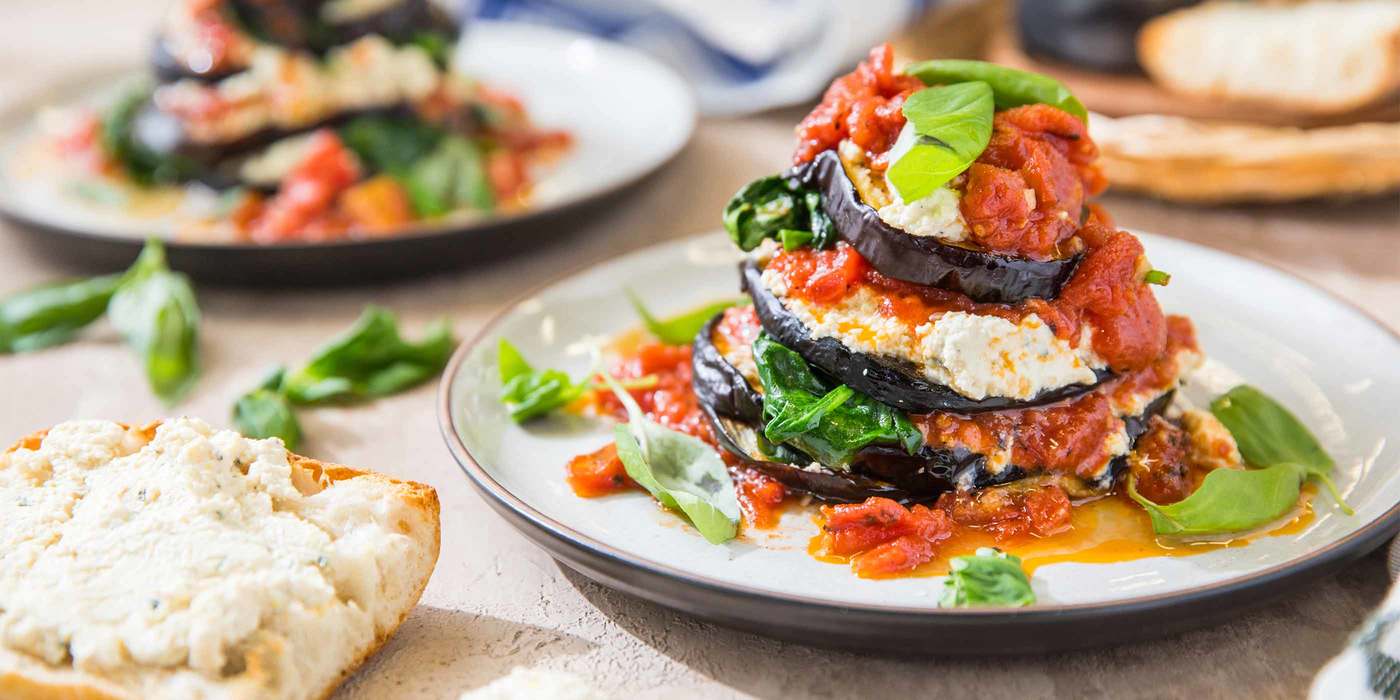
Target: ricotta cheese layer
936	215
194	551
975	355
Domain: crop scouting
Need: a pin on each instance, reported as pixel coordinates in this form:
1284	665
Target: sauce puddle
1110	529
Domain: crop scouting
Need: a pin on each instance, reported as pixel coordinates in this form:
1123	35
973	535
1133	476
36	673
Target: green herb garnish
370	360
1157	277
768	206
265	412
681	329
947	128
451	177
52	314
988	578
1010	87
155	311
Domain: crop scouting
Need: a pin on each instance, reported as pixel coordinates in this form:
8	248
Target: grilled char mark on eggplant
983	276
877	378
735	412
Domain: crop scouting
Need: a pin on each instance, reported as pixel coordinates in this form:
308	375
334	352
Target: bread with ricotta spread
180	561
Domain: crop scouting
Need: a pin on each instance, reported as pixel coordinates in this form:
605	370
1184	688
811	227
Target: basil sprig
1010	87
451	177
370	360
770	206
680	329
1284	455
991	577
947	129
680	471
529	393
52	314
265	412
155	311
829	423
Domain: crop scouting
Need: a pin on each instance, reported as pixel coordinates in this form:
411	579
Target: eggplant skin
718	384
982	276
879	379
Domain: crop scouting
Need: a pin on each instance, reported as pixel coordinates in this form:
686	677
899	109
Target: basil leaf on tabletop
53	313
767	206
1010	87
155	311
822	421
1268	434
988	578
1228	500
680	471
530	393
370	360
265	412
453	176
947	128
681	329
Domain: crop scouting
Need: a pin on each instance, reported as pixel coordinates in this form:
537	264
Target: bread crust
25	678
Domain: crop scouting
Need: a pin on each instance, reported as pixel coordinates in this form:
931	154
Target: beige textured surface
495	600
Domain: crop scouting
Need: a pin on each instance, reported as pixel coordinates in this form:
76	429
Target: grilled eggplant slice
983	276
735	412
880	379
168	68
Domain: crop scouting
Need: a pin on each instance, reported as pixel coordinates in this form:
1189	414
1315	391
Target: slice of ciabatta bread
1320	56
179	561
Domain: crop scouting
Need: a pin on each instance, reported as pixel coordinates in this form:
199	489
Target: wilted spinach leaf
823	421
768	206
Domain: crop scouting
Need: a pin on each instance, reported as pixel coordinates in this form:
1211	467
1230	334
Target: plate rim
1352	545
22	112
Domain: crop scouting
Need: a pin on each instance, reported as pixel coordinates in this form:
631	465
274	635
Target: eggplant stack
936	306
241	83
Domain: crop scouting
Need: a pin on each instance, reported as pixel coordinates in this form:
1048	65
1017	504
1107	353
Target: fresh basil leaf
452	177
1228	500
369	360
1267	434
988	578
1010	87
678	470
820	420
677	330
1157	277
529	393
947	129
52	314
390	144
265	413
155	311
768	206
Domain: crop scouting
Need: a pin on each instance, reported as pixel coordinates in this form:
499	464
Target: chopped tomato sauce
1026	192
598	473
1159	467
865	106
303	203
671	402
883	537
1105	291
1068	437
738	327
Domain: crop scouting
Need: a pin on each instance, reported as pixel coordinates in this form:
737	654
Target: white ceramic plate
1332	365
629	115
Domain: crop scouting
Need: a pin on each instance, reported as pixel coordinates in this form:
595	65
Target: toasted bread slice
1320	56
177	561
1200	161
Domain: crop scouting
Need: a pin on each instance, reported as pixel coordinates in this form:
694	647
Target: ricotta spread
936	215
974	355
196	551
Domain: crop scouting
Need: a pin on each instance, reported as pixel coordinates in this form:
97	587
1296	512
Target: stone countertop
496	601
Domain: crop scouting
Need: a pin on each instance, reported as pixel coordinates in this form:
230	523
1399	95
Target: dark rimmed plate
1254	321
567	80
